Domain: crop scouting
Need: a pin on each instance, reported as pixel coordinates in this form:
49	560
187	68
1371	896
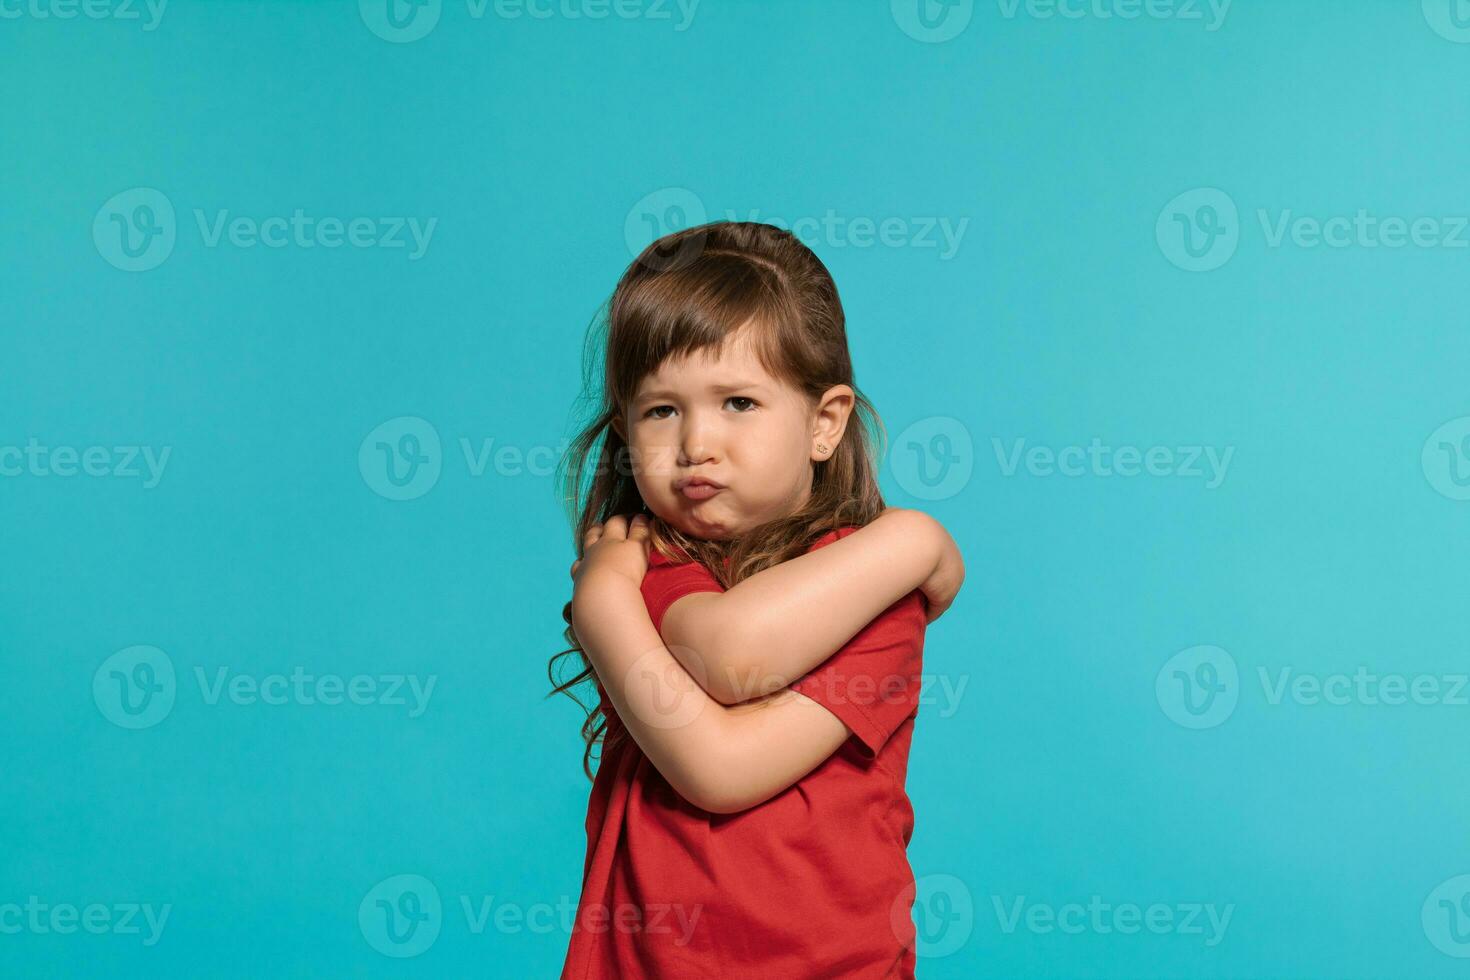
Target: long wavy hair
687	292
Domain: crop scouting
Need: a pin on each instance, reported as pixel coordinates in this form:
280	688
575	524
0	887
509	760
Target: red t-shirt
814	882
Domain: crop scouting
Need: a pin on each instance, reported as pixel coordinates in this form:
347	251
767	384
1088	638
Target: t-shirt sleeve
872	684
664	584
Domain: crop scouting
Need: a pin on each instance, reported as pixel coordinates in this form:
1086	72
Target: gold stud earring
822	449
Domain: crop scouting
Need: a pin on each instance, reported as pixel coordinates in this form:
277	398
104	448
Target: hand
944	582
618	545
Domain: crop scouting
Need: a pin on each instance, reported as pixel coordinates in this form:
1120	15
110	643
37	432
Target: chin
707	528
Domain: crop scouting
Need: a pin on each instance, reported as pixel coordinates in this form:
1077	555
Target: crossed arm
776	626
751	740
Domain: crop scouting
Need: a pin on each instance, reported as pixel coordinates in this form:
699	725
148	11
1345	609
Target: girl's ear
617	426
833	410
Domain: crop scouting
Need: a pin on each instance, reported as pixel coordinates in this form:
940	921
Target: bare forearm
720	759
665	712
780	623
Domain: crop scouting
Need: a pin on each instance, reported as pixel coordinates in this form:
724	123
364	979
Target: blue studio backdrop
1162	303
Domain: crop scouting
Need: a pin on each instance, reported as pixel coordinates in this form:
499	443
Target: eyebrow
713	389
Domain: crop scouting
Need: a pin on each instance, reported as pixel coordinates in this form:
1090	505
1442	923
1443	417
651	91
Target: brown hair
687	292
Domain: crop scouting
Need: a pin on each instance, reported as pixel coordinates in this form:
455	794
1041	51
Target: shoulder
657	558
668	580
674	566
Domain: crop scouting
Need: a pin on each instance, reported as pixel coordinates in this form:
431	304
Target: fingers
616	527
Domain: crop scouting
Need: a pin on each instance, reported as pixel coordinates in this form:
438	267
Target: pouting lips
699	491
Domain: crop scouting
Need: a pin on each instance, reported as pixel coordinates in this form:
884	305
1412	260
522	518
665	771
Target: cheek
784	456
652	462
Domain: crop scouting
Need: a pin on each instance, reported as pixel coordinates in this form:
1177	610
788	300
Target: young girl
756	640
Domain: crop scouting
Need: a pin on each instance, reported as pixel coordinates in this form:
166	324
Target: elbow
723	671
714	648
725	809
719	804
723	683
718	795
711	777
731	795
732	679
729	773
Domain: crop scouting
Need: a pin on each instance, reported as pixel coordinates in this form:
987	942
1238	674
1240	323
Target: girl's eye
738	402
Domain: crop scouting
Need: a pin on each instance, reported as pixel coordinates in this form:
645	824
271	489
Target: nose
696	440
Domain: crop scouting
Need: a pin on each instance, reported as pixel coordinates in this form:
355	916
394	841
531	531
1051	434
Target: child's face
722	417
